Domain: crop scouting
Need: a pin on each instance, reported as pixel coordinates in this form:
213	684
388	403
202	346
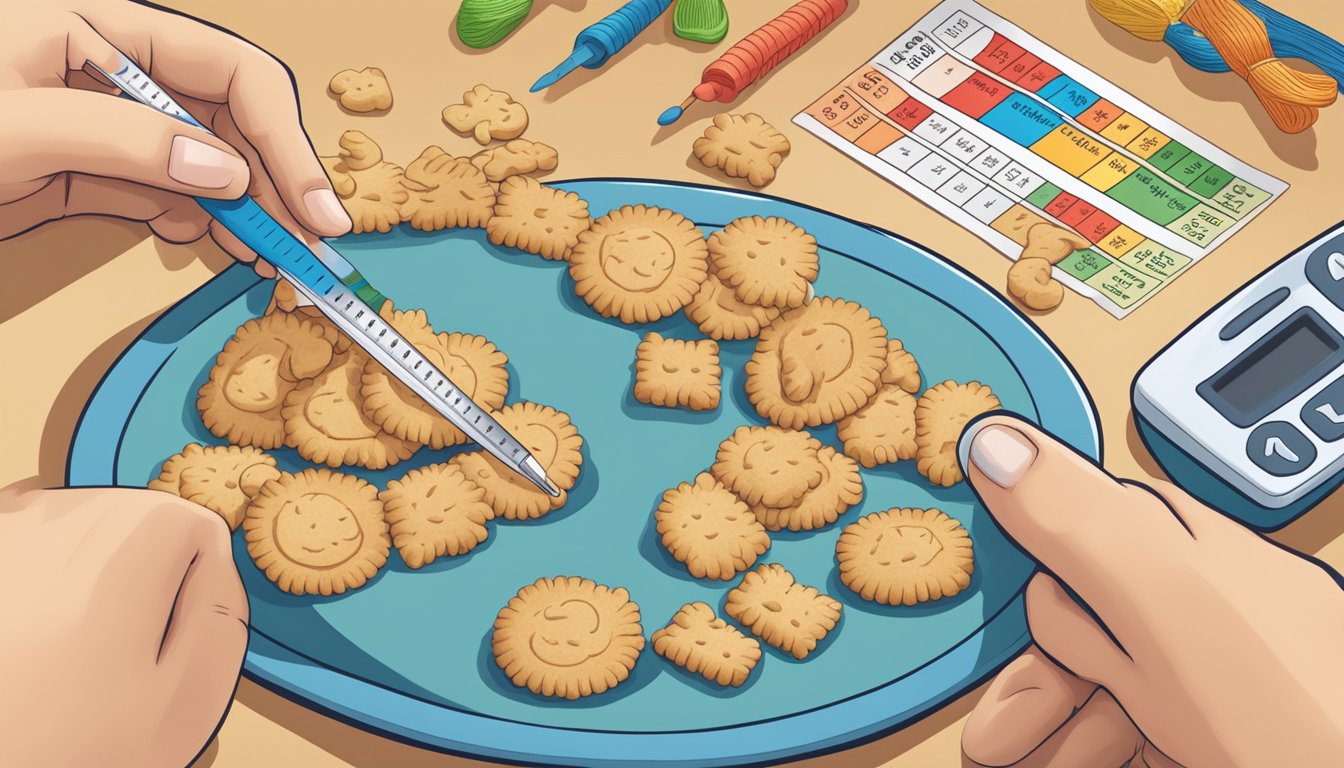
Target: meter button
1324	413
1280	449
1325	270
1252	313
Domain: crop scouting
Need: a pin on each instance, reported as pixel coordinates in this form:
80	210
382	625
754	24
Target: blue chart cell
1021	119
1068	96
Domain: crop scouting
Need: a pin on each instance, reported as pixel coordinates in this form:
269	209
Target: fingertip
264	269
996	446
324	213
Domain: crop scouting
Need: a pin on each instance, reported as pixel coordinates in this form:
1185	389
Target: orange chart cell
854	126
878	138
836	106
875	89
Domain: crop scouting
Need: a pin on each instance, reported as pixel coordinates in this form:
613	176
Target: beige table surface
78	292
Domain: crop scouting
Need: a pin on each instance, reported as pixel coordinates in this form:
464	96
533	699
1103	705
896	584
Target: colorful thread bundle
1241	39
1290	38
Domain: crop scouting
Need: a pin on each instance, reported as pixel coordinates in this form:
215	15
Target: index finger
195	59
1111	542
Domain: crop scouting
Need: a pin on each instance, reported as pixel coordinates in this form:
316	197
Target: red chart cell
977	95
1060	204
1018	69
909	114
1076	213
1097	226
1038	76
998	54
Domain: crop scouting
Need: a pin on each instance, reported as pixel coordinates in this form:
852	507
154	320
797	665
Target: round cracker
568	637
639	263
720	315
260	365
905	556
435	511
553	441
221	478
325	420
768	465
841	487
766	261
473	364
941	414
883	430
817	364
317	533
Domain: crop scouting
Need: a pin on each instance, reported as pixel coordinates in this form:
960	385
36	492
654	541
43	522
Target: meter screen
1275	369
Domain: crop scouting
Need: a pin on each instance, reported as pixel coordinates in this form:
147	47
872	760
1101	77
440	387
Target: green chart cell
1189	169
1173	153
1084	264
1239	197
1152	198
1043	195
1155	260
1211	181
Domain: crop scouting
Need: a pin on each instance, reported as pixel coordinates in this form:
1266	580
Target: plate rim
807	733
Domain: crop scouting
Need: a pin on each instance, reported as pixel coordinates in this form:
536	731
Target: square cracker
790	616
699	641
678	374
536	218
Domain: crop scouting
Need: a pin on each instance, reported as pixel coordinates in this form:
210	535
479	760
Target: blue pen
599	42
342	294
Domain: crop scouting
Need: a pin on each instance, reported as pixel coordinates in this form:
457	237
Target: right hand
68	147
1187	639
122	627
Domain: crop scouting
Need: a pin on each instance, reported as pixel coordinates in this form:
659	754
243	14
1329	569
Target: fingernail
326	211
198	164
1003	454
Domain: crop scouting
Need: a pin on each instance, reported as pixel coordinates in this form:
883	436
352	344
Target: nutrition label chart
992	128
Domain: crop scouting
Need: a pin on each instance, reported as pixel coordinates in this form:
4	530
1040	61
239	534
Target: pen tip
670	116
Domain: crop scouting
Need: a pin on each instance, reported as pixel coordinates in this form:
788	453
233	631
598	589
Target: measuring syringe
342	294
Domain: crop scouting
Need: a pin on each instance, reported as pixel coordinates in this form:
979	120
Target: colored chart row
987	184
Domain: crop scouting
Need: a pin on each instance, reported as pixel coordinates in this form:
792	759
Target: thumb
45	131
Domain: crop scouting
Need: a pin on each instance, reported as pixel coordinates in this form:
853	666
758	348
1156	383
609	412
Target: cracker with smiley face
639	263
325	420
221	478
552	440
435	511
905	556
790	616
486	114
719	314
709	529
941	414
817	363
768	465
701	642
317	532
445	191
362	90
263	362
771	262
883	430
742	146
840	488
538	219
471	362
568	637
677	374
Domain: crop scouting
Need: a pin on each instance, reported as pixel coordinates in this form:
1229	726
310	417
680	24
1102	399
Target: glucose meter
1254	390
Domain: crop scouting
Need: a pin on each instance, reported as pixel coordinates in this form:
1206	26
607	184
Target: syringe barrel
613	33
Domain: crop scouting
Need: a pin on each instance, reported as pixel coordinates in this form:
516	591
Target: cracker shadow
852	601
675	325
646	670
709	687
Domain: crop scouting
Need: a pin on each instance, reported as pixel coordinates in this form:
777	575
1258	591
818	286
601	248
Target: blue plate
409	654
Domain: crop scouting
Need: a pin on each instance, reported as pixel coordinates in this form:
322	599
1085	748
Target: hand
1186	639
123	630
68	147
